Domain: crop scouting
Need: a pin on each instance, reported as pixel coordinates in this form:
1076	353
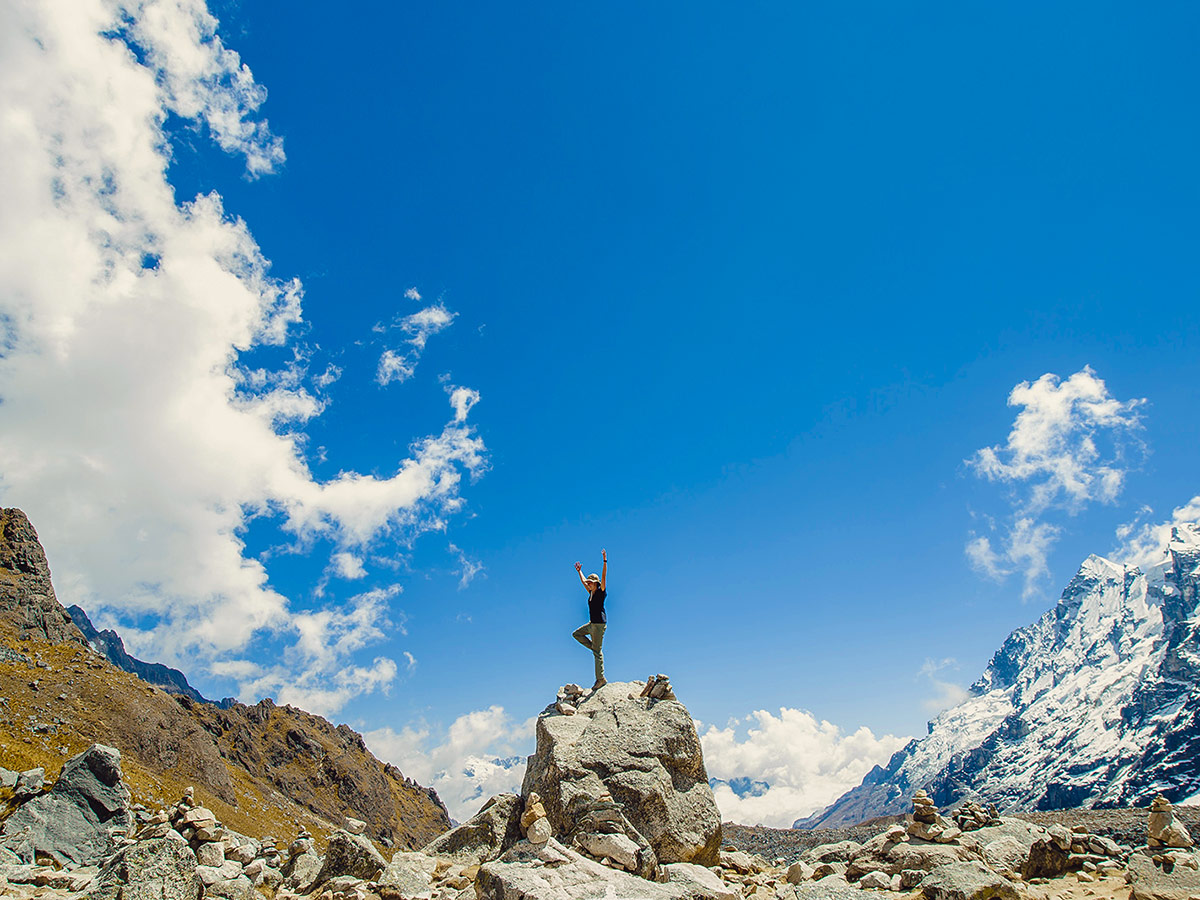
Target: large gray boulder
970	880
893	857
487	834
837	852
353	855
645	753
408	875
550	871
1150	882
156	869
73	823
699	883
1045	860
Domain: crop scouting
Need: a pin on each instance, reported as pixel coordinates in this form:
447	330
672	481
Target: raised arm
579	572
604	571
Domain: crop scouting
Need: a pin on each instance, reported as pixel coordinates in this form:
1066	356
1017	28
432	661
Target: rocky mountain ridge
1097	704
109	644
262	767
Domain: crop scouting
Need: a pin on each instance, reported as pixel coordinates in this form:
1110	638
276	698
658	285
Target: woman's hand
579	568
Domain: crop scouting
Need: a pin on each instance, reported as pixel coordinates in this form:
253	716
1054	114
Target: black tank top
596	606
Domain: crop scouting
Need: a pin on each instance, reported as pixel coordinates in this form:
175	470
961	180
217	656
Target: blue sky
741	290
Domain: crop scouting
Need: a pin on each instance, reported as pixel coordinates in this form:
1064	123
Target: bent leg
583	635
597	649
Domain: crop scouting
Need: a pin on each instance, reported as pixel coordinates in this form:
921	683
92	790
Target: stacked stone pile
927	823
972	815
1162	829
569	696
658	687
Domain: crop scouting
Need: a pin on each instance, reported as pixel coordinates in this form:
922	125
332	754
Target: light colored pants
591	636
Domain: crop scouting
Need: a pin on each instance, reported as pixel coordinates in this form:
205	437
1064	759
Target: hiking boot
600	682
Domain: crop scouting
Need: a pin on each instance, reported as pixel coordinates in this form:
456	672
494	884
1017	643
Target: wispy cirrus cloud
1071	444
132	429
400	364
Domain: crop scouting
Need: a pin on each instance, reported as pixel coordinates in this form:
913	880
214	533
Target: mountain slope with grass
260	768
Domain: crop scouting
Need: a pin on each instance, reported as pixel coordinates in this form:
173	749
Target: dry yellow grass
165	747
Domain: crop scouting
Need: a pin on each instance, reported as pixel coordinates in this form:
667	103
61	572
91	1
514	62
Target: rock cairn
927	824
1163	830
228	863
569	696
1061	850
534	821
972	816
658	687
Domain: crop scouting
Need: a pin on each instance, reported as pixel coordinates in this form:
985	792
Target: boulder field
615	804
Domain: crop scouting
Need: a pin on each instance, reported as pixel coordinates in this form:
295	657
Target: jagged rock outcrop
1096	704
27	599
74	822
487	834
642	752
109	644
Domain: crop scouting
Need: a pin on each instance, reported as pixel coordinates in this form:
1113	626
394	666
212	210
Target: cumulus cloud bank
1069	446
776	770
787	766
129	428
480	755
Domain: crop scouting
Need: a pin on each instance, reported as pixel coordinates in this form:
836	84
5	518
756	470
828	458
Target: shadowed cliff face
261	768
27	600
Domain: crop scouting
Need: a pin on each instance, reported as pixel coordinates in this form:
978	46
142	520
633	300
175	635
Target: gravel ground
1125	826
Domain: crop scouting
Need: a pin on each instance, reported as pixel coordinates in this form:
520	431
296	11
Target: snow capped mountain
1095	704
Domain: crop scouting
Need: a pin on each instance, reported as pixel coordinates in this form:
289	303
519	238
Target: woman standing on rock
591	635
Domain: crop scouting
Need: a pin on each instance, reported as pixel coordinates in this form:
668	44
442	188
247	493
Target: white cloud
945	693
1068	447
412	294
331	374
462	399
468	568
410	660
348	565
480	755
130	429
394	366
1144	543
806	764
1054	446
313	673
984	559
399	365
